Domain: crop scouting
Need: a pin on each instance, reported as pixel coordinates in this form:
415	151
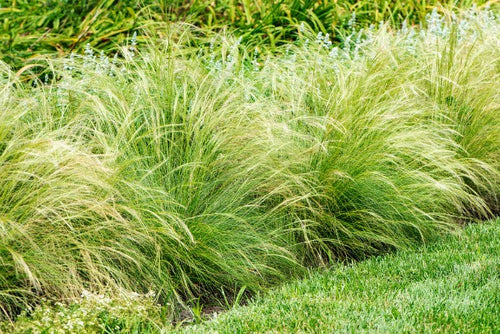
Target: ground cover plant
173	176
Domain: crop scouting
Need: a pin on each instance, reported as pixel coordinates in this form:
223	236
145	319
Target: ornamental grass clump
61	226
193	164
390	156
146	174
461	81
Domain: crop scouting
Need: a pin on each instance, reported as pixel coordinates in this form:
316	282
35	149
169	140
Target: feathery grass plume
61	226
192	168
459	75
382	172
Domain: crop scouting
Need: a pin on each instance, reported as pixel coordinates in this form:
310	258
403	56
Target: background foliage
30	28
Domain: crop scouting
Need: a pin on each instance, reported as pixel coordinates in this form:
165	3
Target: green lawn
452	286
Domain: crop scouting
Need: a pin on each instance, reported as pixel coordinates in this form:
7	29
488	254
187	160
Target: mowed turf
452	286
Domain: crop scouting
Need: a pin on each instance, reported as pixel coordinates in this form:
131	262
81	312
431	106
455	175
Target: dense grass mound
61	224
197	173
385	127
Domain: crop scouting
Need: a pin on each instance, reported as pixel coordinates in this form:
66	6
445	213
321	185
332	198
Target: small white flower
352	21
319	38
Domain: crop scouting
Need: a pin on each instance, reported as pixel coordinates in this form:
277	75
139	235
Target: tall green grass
177	201
62	225
382	151
199	173
461	86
